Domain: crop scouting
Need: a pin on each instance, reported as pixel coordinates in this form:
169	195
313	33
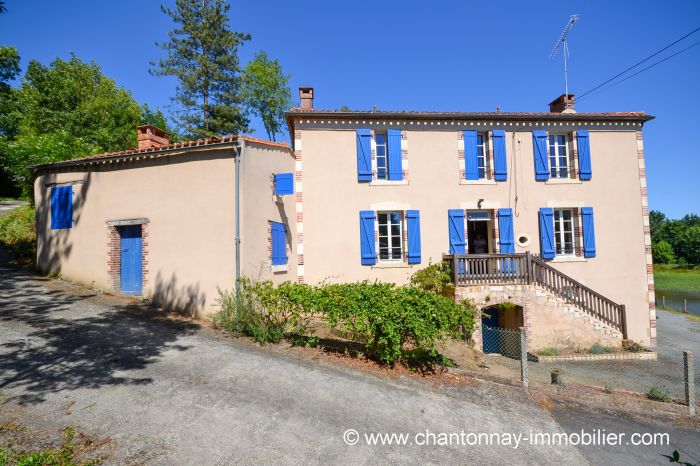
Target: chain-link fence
664	376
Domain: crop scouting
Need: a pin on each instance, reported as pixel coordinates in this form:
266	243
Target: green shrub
435	278
18	234
550	351
265	312
597	348
393	319
659	393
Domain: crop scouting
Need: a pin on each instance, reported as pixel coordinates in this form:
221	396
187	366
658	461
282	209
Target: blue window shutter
284	183
413	223
584	155
500	164
367	249
456	229
471	162
505	231
279	243
61	207
539	146
393	140
364	155
547	248
588	232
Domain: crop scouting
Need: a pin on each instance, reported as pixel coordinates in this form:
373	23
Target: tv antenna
563	43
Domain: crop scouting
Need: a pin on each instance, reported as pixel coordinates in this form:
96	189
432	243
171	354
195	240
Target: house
159	221
380	194
546	211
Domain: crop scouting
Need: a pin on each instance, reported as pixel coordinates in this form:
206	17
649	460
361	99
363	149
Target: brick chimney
306	98
562	104
150	137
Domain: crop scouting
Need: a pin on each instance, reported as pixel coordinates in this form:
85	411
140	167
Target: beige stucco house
546	210
380	194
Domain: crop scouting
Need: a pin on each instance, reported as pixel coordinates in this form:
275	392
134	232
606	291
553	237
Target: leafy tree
202	53
691	220
662	253
689	245
656	221
76	98
9	64
157	119
265	89
38	149
9	114
2	7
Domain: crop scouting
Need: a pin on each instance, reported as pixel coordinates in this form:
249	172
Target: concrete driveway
170	392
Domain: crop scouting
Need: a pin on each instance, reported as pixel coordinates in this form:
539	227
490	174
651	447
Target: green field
675	277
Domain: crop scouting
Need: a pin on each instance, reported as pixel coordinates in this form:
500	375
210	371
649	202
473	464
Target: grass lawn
676	277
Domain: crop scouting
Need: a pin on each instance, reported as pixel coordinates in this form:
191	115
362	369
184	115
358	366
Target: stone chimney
150	137
562	104
306	98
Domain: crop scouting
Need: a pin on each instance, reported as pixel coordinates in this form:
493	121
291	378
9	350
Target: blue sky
450	55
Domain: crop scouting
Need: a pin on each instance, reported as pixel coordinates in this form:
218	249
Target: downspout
238	148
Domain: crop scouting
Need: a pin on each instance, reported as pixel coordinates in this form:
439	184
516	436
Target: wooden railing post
623	321
454	269
528	267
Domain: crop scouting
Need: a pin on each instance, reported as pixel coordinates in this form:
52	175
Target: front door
131	266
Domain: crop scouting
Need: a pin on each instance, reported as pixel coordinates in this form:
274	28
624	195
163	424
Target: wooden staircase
527	269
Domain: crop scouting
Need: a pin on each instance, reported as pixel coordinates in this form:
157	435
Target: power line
639	63
645	69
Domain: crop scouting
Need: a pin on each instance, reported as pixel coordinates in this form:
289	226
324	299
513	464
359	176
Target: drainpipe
237	152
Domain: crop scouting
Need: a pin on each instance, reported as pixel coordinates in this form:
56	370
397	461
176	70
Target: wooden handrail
492	269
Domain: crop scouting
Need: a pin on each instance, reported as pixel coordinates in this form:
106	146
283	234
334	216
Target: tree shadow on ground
53	341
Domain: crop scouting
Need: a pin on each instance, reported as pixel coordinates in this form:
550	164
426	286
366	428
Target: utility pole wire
639	63
648	67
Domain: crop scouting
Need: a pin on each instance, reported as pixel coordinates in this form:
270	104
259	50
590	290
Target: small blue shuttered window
284	183
471	155
584	155
61	207
500	165
588	232
547	246
394	143
279	243
364	154
539	147
455	225
506	238
413	228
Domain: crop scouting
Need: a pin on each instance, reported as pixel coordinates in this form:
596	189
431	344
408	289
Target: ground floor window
390	236
564	231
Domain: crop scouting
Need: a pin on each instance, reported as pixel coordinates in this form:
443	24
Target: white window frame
560	230
556	167
385	145
482	155
390	236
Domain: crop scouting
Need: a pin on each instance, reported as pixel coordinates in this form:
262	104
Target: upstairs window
390	236
482	161
558	156
564	231
382	156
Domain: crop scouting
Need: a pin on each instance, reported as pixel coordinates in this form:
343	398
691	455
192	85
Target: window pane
380	138
395	217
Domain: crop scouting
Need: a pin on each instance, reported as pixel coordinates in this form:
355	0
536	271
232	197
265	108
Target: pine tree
202	54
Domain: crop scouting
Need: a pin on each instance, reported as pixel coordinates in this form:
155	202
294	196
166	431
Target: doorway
479	232
131	271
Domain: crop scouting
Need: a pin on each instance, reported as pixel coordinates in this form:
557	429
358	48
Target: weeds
659	393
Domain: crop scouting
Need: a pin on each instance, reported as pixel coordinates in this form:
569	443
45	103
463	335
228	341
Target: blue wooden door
131	272
490	333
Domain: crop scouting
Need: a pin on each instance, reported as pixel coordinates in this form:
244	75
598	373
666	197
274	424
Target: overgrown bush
549	351
18	234
393	319
436	278
265	312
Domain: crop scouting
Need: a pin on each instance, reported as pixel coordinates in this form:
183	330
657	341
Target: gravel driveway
168	391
